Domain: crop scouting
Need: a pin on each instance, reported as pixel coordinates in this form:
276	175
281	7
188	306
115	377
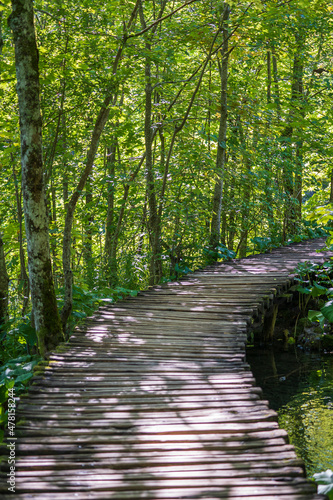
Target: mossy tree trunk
47	321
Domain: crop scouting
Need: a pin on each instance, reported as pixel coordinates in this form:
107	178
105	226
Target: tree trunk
64	145
24	279
298	181
222	137
47	321
155	265
4	281
292	170
1	39
100	123
110	257
276	94
269	77
66	249
87	241
246	185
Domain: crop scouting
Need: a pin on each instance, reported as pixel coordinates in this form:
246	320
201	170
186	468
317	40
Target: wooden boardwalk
153	399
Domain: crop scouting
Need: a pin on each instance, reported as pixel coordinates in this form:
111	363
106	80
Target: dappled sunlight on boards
152	398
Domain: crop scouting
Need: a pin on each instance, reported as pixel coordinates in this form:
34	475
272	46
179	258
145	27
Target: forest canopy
174	134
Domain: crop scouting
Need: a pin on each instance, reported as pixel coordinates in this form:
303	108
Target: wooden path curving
153	399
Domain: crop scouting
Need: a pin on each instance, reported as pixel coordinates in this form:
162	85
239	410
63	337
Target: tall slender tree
46	317
222	137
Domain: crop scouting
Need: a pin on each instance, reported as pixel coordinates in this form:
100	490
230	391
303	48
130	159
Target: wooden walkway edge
153	399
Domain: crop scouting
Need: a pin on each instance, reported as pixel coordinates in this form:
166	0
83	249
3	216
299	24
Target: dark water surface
299	386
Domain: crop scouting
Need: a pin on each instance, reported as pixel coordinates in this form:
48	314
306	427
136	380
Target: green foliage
86	302
17	337
325	483
263	244
221	252
14	374
315	288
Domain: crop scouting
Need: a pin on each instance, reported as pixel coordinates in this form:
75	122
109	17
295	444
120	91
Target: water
299	387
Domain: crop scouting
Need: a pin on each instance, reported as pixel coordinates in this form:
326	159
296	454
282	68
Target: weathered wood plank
251	486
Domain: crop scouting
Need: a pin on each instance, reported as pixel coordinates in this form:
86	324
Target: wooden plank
119	462
67	394
206	493
262	442
251	486
143	474
176	389
143	402
242	379
110	366
108	418
190	454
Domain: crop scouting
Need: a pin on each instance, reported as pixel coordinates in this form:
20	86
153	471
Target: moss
41	365
62	347
21	422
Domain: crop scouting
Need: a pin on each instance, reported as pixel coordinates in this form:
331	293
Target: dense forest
171	134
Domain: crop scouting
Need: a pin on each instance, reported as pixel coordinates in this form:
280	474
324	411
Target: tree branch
160	20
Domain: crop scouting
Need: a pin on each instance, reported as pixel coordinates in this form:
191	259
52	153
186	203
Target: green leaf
79	314
3	417
301	289
3	394
325	483
315	315
317	290
10	383
24	377
327	310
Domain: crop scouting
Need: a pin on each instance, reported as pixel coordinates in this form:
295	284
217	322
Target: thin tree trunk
110	256
155	268
143	227
4	282
65	168
53	239
222	137
155	265
299	181
276	94
66	249
97	132
299	94
231	230
24	279
1	39
87	241
47	321
117	229
246	185
269	77
291	168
